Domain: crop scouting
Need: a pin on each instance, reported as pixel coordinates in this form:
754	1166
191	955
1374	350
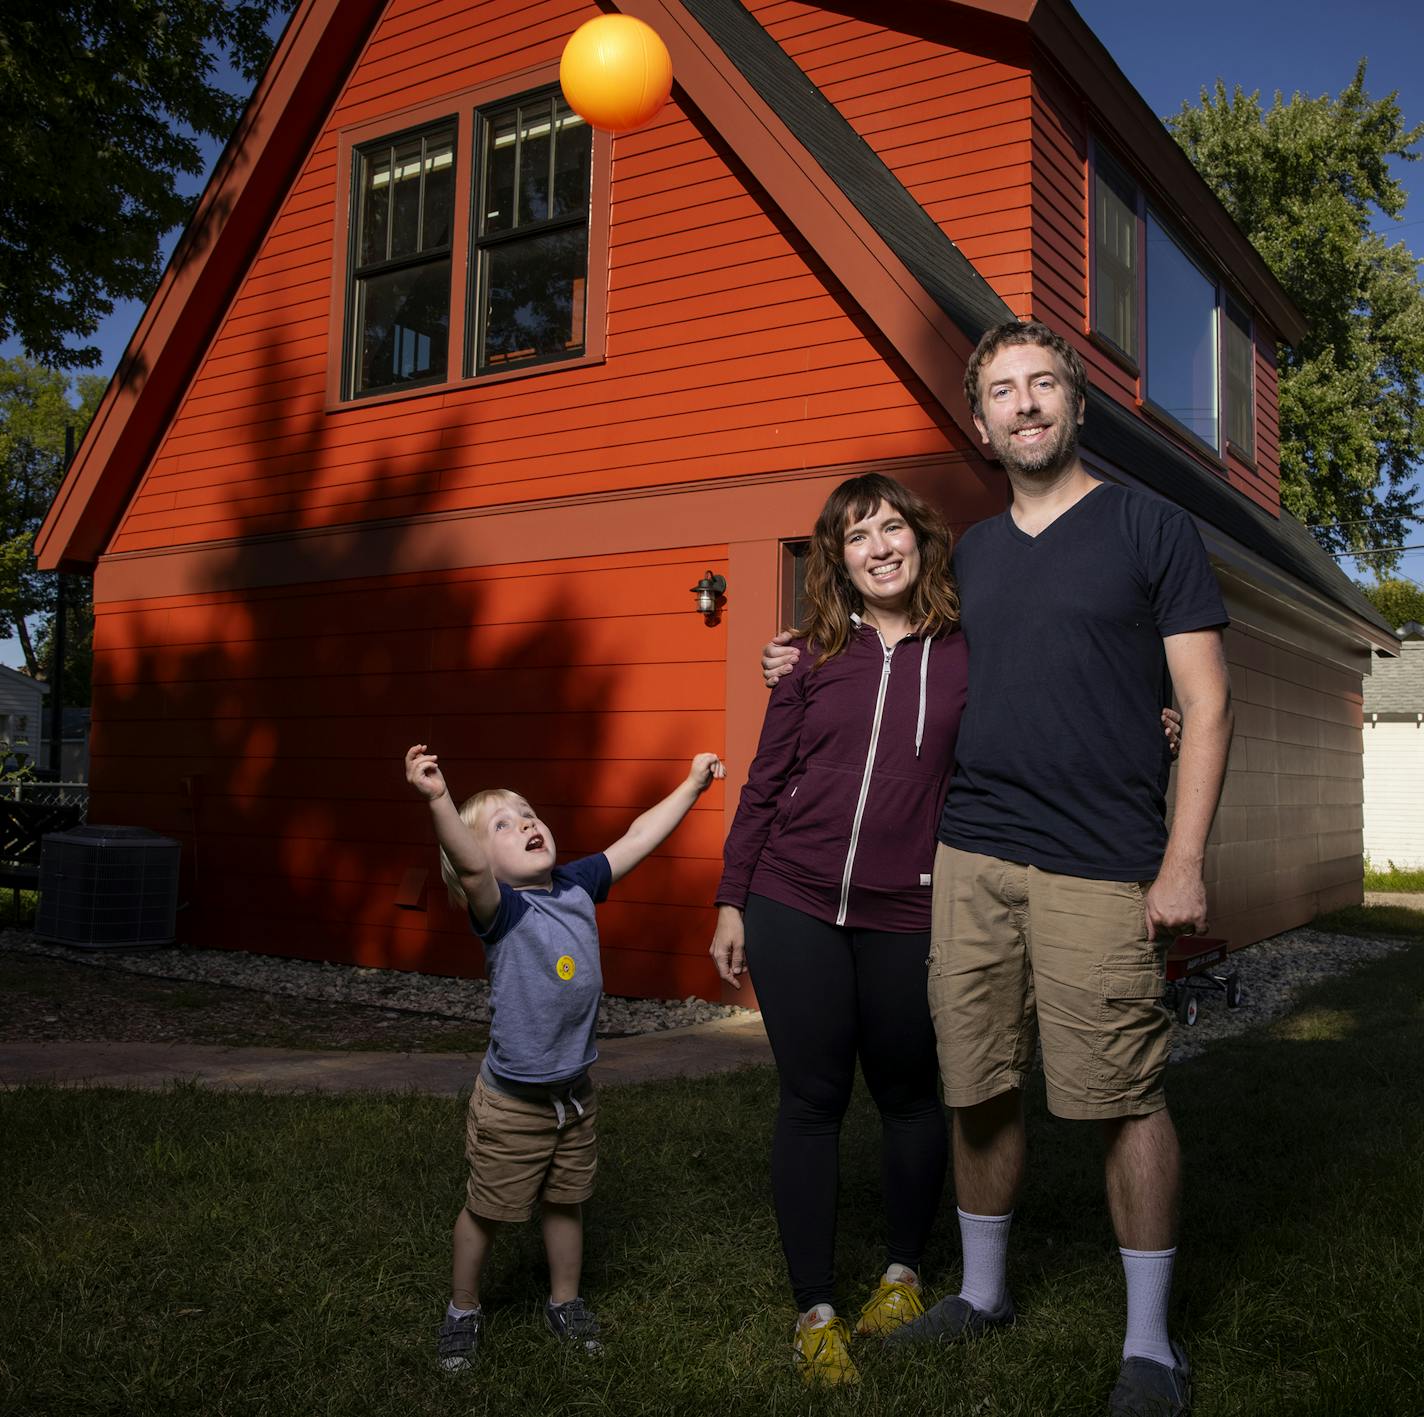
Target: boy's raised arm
654	827
456	840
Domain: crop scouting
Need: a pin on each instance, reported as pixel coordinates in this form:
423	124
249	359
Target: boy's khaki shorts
1018	954
519	1154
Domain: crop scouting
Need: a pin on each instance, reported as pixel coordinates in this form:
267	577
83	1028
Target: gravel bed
394	990
1272	974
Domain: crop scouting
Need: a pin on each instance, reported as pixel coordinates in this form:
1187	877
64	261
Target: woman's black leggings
829	994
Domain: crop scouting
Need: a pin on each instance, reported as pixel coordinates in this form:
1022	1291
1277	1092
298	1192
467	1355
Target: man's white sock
1149	1287
984	1239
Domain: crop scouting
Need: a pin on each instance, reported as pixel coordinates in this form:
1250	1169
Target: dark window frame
475	363
463	104
356	273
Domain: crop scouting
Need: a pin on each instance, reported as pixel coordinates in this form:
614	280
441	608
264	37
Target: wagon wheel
1187	1007
1233	991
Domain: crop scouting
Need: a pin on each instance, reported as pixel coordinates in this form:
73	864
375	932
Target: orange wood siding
1060	270
951	122
1265	477
729	347
265	730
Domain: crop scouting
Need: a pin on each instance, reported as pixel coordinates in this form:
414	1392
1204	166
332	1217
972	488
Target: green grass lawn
192	1252
1393	878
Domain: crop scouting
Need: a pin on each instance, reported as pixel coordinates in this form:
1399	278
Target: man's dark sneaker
460	1340
951	1320
1148	1389
574	1322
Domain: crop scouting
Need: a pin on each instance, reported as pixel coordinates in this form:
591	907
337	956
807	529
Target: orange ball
615	72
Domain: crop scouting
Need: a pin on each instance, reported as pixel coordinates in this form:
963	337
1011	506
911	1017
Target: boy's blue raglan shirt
545	977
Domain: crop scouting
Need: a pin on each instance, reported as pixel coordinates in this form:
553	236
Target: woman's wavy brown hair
934	601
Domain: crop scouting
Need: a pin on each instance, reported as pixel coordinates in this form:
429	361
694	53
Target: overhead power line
1368	521
1376	551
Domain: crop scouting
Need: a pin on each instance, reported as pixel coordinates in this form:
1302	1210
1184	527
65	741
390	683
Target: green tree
1397	600
1304	179
35	406
103	106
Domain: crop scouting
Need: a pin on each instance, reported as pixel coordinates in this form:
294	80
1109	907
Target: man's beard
1044	459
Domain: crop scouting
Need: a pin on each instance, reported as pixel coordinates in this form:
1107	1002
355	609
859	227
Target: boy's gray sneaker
460	1340
1148	1389
573	1322
951	1320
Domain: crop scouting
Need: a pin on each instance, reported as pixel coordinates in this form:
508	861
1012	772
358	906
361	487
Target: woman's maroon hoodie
840	808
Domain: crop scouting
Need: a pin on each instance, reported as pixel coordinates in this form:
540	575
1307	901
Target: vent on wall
108	887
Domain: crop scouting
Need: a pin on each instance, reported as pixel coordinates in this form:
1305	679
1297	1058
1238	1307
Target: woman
826	887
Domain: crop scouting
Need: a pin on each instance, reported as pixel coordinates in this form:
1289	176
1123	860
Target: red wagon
1190	961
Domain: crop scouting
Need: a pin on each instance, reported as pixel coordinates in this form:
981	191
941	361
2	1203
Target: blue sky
1170	53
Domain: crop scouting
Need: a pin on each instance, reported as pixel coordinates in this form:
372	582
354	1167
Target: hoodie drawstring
924	676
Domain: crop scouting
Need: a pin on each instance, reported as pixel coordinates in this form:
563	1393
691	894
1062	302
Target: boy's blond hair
471	810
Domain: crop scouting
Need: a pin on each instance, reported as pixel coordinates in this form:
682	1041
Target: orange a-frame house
444	405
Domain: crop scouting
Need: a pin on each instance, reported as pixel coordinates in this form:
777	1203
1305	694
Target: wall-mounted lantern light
707	590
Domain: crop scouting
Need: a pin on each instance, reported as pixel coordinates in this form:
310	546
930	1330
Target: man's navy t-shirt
1061	761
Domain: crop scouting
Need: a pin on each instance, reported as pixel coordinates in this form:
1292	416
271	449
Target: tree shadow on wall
262	718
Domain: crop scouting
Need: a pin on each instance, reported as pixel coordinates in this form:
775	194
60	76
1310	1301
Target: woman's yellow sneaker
893	1304
822	1354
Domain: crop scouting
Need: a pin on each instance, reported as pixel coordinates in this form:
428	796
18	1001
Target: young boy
531	1123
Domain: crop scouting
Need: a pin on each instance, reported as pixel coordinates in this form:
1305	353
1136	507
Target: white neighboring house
22	716
1394	756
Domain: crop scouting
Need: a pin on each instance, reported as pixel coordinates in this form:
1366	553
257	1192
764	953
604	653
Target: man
1057	887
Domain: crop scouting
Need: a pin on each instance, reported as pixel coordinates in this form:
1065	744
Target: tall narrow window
1115	255
403	200
794	606
1181	336
1239	384
531	236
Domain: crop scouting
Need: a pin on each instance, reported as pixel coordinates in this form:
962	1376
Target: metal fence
30	809
46	794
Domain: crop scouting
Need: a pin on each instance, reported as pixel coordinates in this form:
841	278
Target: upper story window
462	268
1181	336
403	192
531	237
1167	316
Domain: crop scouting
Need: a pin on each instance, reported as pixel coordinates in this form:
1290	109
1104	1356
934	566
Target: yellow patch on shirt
565	967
